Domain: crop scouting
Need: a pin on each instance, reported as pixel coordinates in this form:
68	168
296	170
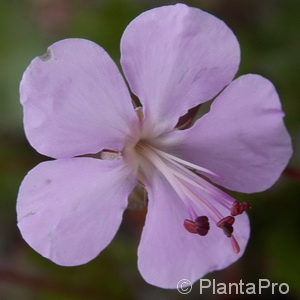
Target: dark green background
268	31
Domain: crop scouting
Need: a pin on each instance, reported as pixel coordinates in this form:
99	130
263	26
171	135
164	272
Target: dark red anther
226	224
190	226
227	220
239	207
202	225
199	226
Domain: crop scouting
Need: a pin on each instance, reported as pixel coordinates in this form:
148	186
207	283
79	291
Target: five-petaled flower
76	103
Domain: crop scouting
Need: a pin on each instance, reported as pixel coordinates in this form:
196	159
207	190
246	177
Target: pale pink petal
69	210
175	57
242	138
168	253
75	101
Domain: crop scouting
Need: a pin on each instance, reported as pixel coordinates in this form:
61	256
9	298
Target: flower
76	103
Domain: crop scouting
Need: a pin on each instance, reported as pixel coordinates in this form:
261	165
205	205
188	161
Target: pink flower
76	103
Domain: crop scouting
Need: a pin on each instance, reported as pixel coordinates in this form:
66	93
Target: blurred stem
38	283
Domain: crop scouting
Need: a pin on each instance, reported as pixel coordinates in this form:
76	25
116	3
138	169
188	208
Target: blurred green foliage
268	31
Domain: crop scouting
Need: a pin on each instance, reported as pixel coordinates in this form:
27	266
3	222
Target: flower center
197	193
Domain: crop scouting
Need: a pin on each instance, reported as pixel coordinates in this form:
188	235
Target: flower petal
75	101
242	138
168	252
69	210
175	57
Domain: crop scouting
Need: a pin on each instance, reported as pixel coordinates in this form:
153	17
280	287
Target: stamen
180	176
226	220
202	225
214	211
199	226
192	213
226	224
190	177
190	226
239	207
170	157
180	188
